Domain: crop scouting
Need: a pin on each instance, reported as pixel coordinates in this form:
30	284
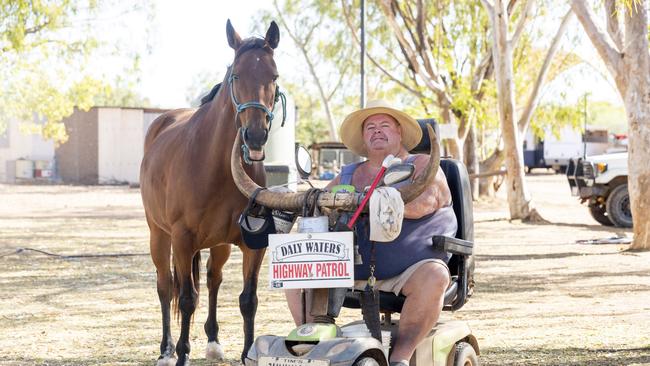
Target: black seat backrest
461	192
424	147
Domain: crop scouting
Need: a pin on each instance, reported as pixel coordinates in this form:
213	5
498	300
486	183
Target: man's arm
437	195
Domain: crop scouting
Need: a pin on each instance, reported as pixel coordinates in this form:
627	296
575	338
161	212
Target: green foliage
45	51
322	74
606	115
553	117
457	37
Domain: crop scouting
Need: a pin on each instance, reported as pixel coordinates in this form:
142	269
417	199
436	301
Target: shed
17	147
105	145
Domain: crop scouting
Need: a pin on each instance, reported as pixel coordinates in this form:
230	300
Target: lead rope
370	299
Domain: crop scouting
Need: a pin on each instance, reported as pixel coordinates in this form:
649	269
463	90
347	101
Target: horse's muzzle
255	138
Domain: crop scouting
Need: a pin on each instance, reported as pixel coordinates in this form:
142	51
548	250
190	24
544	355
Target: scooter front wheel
465	355
366	361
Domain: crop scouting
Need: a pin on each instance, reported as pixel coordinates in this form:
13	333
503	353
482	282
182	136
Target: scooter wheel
366	361
465	355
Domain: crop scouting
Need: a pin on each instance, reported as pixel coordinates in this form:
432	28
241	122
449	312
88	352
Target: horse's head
252	86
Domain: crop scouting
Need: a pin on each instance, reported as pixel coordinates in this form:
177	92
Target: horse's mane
247	44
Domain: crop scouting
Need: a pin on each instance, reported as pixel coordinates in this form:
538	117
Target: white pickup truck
601	180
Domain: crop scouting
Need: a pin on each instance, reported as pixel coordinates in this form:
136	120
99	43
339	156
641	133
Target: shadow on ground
565	356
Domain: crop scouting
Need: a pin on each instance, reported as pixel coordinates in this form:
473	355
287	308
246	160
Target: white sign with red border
311	260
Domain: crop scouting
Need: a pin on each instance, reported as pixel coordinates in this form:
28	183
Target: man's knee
431	278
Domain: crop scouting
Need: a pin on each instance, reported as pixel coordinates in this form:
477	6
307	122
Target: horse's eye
275	78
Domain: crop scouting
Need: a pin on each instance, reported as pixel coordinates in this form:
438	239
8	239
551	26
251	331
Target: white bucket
318	224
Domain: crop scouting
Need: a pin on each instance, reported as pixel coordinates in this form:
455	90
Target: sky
187	38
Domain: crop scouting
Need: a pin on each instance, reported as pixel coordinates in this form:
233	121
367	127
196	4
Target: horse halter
240	107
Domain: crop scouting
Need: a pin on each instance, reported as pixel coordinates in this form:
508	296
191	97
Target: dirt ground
541	299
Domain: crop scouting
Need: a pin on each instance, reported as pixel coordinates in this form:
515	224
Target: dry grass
541	299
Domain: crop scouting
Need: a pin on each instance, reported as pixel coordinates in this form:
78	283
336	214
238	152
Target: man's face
382	132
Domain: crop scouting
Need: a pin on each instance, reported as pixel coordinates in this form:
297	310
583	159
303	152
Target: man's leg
294	301
424	292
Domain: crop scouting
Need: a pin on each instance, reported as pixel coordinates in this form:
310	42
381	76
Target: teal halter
240	107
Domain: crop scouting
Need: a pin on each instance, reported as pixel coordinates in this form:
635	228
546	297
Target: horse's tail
196	277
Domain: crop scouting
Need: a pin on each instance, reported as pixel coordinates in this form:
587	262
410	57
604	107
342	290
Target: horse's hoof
214	352
166	361
183	361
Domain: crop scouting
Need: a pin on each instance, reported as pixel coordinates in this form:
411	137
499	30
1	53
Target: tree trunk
486	186
637	105
471	159
638	168
455	148
518	197
630	72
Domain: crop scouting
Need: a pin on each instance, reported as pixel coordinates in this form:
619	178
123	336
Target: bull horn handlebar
342	201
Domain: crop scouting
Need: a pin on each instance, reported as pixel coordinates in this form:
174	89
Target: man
408	265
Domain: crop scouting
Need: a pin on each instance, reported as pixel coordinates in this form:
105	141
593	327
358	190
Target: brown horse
190	200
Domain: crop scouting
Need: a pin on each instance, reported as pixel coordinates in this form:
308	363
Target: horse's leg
248	297
185	274
160	246
218	257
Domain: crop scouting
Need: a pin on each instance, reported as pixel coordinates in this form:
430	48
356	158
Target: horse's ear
273	35
234	40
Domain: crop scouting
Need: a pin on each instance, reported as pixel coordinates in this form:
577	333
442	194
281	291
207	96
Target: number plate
285	361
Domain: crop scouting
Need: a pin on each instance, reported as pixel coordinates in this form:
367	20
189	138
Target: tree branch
37	28
408	51
425	47
636	46
613	24
312	71
521	23
601	41
488	6
533	99
348	21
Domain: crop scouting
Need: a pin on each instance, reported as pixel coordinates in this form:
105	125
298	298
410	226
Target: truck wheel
618	207
599	213
465	355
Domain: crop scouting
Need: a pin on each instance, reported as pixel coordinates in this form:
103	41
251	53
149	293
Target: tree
624	50
518	196
320	41
45	50
446	47
435	60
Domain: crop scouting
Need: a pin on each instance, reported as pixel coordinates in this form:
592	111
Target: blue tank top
411	246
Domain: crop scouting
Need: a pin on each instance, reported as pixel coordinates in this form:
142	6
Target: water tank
280	148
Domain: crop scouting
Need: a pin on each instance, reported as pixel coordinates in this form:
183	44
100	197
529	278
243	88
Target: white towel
386	214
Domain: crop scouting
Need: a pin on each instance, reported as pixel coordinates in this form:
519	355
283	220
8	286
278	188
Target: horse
189	197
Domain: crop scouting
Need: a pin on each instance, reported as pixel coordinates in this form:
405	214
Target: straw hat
351	129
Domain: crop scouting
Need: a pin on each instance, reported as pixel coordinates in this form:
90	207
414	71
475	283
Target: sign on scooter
311	260
284	361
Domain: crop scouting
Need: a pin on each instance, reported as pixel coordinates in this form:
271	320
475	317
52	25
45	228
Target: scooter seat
389	302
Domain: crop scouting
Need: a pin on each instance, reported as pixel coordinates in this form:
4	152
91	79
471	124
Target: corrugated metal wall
120	145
